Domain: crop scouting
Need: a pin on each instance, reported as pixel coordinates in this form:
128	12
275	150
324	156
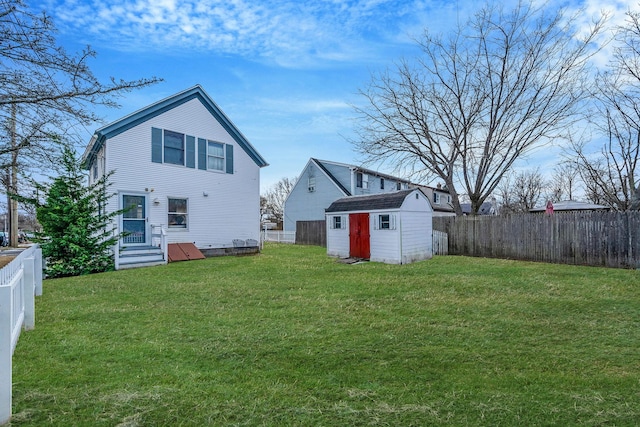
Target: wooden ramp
183	252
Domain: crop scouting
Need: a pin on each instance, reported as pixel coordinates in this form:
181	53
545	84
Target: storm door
134	219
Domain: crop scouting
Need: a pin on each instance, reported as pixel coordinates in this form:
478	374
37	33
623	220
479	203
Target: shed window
178	213
385	222
336	222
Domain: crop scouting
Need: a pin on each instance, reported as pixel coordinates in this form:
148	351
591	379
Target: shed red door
359	235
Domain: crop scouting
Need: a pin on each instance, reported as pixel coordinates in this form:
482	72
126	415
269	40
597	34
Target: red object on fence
549	209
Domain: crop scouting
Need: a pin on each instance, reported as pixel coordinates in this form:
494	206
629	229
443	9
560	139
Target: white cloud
290	33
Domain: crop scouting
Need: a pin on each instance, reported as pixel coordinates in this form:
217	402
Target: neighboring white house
394	228
321	182
184	171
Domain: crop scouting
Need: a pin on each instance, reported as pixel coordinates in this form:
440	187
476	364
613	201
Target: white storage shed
394	228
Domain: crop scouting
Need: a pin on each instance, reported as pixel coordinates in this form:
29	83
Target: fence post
37	267
6	321
29	294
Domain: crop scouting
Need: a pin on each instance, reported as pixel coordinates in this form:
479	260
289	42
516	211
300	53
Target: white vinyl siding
231	207
305	205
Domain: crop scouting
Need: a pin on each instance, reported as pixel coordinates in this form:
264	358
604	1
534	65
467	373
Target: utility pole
12	183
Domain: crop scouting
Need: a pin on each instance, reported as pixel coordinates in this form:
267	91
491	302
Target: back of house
182	166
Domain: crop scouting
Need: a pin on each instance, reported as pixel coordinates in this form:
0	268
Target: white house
394	228
321	182
185	173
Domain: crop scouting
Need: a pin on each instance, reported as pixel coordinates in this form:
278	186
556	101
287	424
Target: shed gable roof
196	92
371	202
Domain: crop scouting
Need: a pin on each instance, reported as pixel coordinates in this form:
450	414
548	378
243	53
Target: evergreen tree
77	235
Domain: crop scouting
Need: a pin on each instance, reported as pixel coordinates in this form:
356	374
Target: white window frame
173	217
311	187
209	155
436	198
388	224
338	222
362	180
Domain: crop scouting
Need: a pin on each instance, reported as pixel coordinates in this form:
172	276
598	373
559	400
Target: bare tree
612	175
521	191
564	182
44	91
479	100
275	197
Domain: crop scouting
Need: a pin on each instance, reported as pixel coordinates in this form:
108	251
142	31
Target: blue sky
285	72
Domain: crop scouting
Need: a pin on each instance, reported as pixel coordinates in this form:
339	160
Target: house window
398	186
382	183
336	222
312	184
173	147
362	180
215	156
178	213
95	171
436	198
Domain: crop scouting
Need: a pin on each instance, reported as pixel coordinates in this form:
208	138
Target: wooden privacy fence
20	282
610	239
440	243
311	233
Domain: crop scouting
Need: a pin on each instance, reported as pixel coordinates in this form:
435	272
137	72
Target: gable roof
127	122
371	202
321	165
333	179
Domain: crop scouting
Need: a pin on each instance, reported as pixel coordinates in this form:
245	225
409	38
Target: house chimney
439	186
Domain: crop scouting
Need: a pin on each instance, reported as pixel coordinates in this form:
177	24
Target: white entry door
134	219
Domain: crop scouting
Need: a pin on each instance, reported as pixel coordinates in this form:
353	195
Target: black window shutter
202	154
191	151
156	145
229	158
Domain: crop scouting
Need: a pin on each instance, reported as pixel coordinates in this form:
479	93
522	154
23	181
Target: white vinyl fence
279	236
20	282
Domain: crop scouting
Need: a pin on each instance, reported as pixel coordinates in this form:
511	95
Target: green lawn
291	337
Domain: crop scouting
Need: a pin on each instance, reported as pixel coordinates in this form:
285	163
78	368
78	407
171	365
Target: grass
291	337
